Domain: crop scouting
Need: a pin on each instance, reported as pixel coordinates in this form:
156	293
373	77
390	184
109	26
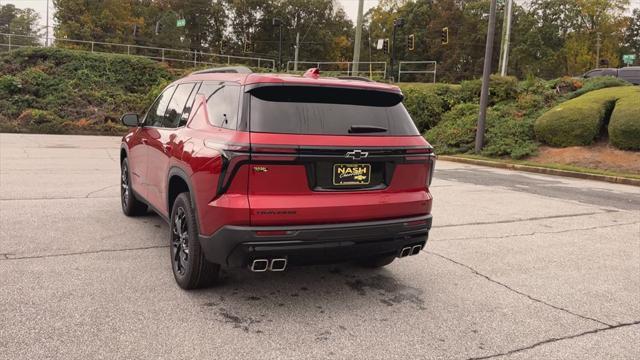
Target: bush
457	131
624	127
501	88
74	85
597	83
578	122
427	102
510	132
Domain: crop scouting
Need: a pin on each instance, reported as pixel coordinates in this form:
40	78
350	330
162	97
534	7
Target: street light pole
277	21
46	39
484	95
356	46
397	23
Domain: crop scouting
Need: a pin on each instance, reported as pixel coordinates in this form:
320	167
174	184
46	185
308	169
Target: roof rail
356	78
228	69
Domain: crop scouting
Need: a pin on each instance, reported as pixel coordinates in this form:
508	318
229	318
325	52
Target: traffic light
385	46
445	35
411	42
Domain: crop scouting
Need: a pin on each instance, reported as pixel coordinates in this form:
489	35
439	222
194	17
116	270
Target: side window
176	105
155	115
222	104
188	107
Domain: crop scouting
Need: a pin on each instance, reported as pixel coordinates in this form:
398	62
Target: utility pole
356	46
277	21
506	36
484	95
295	60
46	39
396	24
598	50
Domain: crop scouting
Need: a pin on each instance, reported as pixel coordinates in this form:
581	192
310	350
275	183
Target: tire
376	261
190	268
131	206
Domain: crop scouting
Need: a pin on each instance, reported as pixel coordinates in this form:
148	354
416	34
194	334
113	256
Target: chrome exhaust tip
278	265
260	265
405	252
416	249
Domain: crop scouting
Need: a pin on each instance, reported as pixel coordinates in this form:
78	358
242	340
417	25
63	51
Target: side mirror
130	120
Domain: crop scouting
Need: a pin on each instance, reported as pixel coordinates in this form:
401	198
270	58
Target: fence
411	68
374	69
9	42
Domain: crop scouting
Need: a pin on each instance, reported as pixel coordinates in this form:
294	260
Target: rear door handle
167	148
145	141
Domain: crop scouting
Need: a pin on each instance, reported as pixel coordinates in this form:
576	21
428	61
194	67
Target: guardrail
408	64
370	68
9	42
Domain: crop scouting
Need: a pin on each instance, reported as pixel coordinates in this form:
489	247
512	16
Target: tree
19	22
632	35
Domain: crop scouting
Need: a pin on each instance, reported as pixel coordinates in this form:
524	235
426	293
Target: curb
542	170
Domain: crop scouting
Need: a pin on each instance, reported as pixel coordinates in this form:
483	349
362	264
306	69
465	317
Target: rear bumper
237	246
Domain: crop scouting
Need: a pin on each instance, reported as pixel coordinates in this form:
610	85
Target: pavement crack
527	219
60	198
536	232
83	253
104	188
476	272
552	340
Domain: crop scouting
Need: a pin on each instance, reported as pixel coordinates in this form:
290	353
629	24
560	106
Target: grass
554	166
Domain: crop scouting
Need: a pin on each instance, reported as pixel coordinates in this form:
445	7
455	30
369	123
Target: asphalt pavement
518	266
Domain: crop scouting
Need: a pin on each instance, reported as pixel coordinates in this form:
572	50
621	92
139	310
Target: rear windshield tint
328	111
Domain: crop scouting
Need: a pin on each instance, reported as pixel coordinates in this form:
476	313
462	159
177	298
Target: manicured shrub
596	83
577	122
624	126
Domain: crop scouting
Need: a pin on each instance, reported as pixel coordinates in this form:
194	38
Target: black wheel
130	205
377	261
190	268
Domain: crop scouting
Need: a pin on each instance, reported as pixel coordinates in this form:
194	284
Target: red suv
265	171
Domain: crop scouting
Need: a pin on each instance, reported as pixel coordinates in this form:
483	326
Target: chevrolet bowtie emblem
356	154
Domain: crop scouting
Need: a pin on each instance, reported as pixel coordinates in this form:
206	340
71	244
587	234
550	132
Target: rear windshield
328	111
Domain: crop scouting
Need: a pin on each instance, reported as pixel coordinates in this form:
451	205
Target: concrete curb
542	170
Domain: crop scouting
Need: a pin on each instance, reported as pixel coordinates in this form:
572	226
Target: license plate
351	174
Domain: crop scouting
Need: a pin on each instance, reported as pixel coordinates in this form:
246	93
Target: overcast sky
350	6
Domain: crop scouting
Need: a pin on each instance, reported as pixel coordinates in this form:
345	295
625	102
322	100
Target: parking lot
518	266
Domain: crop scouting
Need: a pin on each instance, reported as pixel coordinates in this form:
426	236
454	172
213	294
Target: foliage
53	90
500	89
577	122
510	130
624	126
596	83
426	103
457	130
20	22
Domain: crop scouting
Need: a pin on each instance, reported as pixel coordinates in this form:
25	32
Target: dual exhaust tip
410	251
262	265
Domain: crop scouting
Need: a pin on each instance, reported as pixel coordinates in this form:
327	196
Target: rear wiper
366	129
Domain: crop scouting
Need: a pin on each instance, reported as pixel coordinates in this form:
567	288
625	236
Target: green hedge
578	122
624	126
427	102
90	90
457	131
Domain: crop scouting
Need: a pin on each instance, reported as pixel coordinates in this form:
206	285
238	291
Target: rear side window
222	104
328	111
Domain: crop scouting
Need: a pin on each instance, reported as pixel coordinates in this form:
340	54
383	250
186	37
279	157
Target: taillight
432	168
